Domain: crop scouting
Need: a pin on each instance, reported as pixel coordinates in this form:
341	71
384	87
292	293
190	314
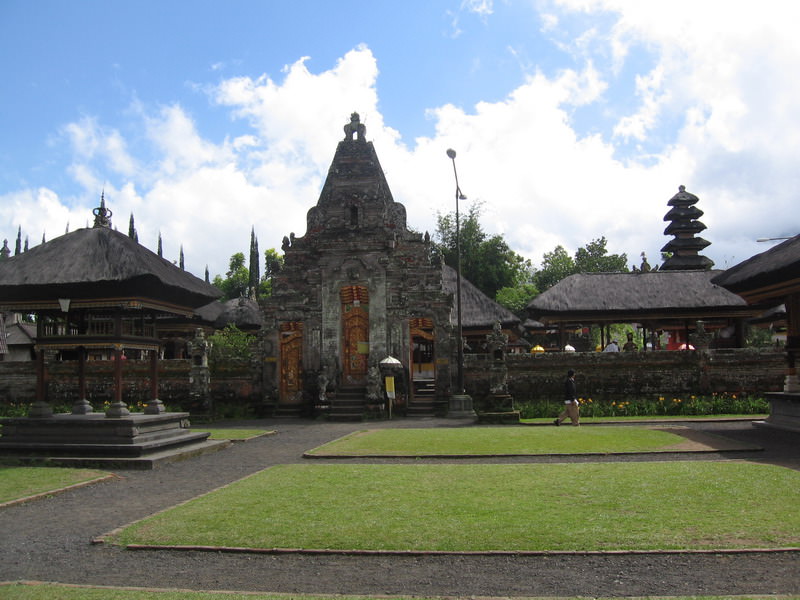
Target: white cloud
722	81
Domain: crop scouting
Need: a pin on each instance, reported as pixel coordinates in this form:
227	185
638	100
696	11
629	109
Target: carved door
355	334
422	349
291	353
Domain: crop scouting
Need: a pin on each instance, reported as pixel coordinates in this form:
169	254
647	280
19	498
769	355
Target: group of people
630	345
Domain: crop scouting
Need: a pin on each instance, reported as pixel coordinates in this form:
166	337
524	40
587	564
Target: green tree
236	280
253	271
231	343
556	265
517	298
273	263
486	261
594	258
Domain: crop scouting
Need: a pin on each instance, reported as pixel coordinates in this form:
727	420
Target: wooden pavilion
96	292
657	300
773	277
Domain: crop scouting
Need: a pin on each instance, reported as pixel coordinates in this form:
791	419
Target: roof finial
355	127
102	216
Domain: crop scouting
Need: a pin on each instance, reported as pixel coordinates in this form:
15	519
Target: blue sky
572	119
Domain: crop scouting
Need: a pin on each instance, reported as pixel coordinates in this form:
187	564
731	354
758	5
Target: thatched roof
616	297
97	264
773	273
242	312
477	309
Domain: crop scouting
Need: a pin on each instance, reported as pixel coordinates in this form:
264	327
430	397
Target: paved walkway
50	539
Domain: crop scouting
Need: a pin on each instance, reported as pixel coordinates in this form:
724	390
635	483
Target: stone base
461	407
135	440
784	411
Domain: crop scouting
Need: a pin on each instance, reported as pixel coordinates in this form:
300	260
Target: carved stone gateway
357	287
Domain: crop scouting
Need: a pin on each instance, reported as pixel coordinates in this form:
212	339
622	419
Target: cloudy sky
572	119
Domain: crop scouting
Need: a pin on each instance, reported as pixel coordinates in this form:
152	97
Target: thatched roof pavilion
98	265
657	299
479	313
774	277
771	275
97	288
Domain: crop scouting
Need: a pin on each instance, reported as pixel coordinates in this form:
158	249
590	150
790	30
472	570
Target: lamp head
451	153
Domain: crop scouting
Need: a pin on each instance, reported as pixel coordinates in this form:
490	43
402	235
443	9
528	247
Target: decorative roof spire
5	251
102	215
684	247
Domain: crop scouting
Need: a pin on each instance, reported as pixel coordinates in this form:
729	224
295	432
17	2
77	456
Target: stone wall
601	376
234	382
642	375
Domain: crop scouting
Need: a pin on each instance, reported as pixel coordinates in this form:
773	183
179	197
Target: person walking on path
571	407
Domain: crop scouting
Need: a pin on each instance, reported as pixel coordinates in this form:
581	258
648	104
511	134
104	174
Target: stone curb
323	551
59	490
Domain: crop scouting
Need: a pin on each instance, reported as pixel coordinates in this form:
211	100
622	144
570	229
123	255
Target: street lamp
459	339
460	402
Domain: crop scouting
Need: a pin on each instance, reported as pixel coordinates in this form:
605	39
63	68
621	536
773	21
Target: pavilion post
117	408
81	406
40	408
154	405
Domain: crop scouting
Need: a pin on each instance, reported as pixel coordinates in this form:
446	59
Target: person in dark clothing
571	406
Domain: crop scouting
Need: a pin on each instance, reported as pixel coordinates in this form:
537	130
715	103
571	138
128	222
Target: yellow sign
390	386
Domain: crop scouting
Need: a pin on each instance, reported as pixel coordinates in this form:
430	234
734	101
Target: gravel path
50	539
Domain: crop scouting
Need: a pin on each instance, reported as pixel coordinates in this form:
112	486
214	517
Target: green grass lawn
21	482
500	440
532	507
47	591
647	418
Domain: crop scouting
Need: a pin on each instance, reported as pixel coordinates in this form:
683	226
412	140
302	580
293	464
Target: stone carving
355	127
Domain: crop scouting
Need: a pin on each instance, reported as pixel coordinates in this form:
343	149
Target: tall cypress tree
254	270
132	233
160	246
18	247
180	259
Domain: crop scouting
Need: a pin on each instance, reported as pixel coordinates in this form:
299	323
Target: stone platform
132	441
784	411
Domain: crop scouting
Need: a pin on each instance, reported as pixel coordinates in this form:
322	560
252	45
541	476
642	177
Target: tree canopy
592	258
486	261
241	280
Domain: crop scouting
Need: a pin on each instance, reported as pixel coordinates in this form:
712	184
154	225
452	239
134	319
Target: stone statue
374	388
355	127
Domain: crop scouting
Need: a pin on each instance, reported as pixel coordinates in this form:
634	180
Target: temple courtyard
55	538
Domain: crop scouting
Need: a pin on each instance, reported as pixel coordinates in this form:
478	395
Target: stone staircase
349	404
423	404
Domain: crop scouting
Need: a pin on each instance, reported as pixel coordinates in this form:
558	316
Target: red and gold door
355	333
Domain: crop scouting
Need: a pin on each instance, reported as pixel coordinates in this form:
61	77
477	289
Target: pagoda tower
684	226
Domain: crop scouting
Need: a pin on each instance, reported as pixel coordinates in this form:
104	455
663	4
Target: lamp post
460	402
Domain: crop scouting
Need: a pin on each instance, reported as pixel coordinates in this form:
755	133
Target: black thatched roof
477	309
99	263
242	312
631	296
773	273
